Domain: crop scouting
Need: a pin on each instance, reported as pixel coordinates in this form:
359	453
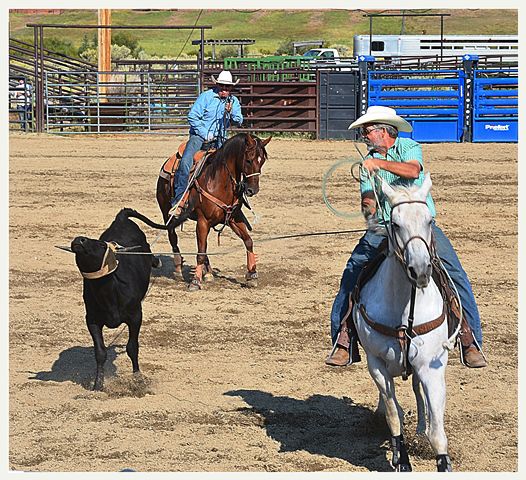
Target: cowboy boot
177	210
470	352
345	350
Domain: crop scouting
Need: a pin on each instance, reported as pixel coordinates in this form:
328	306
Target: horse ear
265	142
388	191
250	140
426	186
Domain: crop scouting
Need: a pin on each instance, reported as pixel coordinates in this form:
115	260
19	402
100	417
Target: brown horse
216	197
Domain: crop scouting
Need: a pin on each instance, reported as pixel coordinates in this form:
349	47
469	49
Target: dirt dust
233	379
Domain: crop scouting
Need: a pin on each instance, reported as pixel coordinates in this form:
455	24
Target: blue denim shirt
207	115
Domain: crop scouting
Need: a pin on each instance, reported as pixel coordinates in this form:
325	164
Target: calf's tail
131	213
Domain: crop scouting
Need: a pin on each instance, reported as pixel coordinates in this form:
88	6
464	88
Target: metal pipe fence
159	102
21	104
129	102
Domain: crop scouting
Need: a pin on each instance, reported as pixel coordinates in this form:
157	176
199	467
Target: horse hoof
178	275
403	467
194	286
251	279
443	463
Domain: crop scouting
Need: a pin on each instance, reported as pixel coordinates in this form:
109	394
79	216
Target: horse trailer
399	46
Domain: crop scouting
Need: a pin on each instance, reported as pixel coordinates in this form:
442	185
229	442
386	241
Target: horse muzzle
419	277
251	191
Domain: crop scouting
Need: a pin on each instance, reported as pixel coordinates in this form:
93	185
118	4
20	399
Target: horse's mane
402	192
234	146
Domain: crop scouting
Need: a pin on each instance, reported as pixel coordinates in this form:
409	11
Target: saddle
170	166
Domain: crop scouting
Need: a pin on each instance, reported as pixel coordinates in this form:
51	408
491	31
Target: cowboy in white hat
398	161
210	117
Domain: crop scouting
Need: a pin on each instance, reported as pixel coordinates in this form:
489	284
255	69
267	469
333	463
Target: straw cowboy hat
225	78
379	114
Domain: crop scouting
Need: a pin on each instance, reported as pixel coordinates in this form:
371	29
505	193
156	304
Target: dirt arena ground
234	378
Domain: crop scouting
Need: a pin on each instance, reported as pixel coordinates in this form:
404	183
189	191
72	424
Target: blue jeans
181	179
367	249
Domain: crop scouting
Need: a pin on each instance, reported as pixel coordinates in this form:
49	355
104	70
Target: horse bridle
408	331
398	250
240	186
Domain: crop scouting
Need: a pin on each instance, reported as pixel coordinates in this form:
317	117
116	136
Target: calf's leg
100	354
132	347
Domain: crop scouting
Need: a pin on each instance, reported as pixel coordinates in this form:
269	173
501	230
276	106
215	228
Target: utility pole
104	41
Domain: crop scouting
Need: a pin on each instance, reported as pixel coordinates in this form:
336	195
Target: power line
190	34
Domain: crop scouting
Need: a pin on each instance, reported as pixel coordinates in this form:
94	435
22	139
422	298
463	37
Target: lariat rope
127	250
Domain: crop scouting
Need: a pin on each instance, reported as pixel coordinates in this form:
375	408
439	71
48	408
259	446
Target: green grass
268	28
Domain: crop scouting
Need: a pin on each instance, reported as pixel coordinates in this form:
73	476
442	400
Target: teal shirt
403	150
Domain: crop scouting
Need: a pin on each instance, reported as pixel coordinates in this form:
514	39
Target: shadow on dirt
166	269
77	364
321	425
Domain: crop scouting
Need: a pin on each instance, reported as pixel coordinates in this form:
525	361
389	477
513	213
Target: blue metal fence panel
495	106
432	101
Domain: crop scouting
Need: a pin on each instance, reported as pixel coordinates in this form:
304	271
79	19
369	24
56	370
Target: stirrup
176	210
354	351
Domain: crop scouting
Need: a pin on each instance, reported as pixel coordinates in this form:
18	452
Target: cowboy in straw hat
224	78
210	117
398	161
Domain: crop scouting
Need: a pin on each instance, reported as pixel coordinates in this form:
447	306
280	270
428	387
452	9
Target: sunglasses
224	87
366	131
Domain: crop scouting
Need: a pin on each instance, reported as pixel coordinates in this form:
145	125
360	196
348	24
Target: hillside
269	28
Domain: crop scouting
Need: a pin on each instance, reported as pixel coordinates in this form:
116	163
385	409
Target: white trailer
399	46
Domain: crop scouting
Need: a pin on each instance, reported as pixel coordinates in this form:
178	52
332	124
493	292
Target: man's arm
368	204
410	169
195	116
235	113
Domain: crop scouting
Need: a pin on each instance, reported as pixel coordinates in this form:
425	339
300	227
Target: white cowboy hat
379	114
225	78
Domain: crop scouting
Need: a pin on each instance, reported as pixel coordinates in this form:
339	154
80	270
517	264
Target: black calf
115	285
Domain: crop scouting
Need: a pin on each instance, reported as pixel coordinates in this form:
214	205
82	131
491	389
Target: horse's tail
131	213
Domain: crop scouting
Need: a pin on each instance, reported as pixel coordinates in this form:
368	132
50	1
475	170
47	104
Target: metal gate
131	102
432	101
495	102
338	94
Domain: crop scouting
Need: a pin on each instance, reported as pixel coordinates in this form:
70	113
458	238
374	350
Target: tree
286	47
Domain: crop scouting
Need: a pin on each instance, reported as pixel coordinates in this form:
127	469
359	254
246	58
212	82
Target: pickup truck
327	57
